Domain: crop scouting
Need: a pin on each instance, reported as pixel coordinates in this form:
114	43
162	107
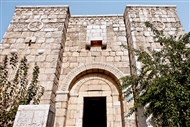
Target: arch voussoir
96	65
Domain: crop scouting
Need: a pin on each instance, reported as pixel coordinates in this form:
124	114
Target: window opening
96	43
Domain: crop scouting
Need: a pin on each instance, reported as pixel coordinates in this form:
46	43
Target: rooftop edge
21	6
74	16
133	5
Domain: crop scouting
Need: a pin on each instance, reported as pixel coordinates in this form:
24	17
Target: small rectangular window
96	43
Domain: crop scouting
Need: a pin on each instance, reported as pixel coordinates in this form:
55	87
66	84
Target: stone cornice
150	6
42	6
94	16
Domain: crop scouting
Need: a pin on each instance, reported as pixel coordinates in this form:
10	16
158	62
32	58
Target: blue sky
92	7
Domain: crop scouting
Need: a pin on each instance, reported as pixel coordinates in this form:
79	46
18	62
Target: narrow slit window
96	43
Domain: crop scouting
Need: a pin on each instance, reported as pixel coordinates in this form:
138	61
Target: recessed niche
96	43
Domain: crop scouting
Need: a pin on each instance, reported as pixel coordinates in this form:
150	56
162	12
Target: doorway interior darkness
94	113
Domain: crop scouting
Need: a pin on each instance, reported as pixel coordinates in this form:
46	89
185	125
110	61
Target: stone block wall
39	33
61	45
80	55
140	37
82	29
163	17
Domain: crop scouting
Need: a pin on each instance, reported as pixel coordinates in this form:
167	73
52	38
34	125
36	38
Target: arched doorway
94	101
92	80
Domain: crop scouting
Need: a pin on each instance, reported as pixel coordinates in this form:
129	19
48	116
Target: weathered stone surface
35	116
61	45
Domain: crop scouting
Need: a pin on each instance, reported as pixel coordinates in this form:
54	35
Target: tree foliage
163	82
18	90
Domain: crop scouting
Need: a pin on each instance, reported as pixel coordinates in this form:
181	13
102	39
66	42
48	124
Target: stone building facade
81	58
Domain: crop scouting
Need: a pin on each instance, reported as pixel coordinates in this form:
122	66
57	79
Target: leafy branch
16	91
164	81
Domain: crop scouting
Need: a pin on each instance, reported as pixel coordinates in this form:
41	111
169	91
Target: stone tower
81	59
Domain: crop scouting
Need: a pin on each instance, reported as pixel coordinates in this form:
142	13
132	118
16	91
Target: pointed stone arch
108	68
